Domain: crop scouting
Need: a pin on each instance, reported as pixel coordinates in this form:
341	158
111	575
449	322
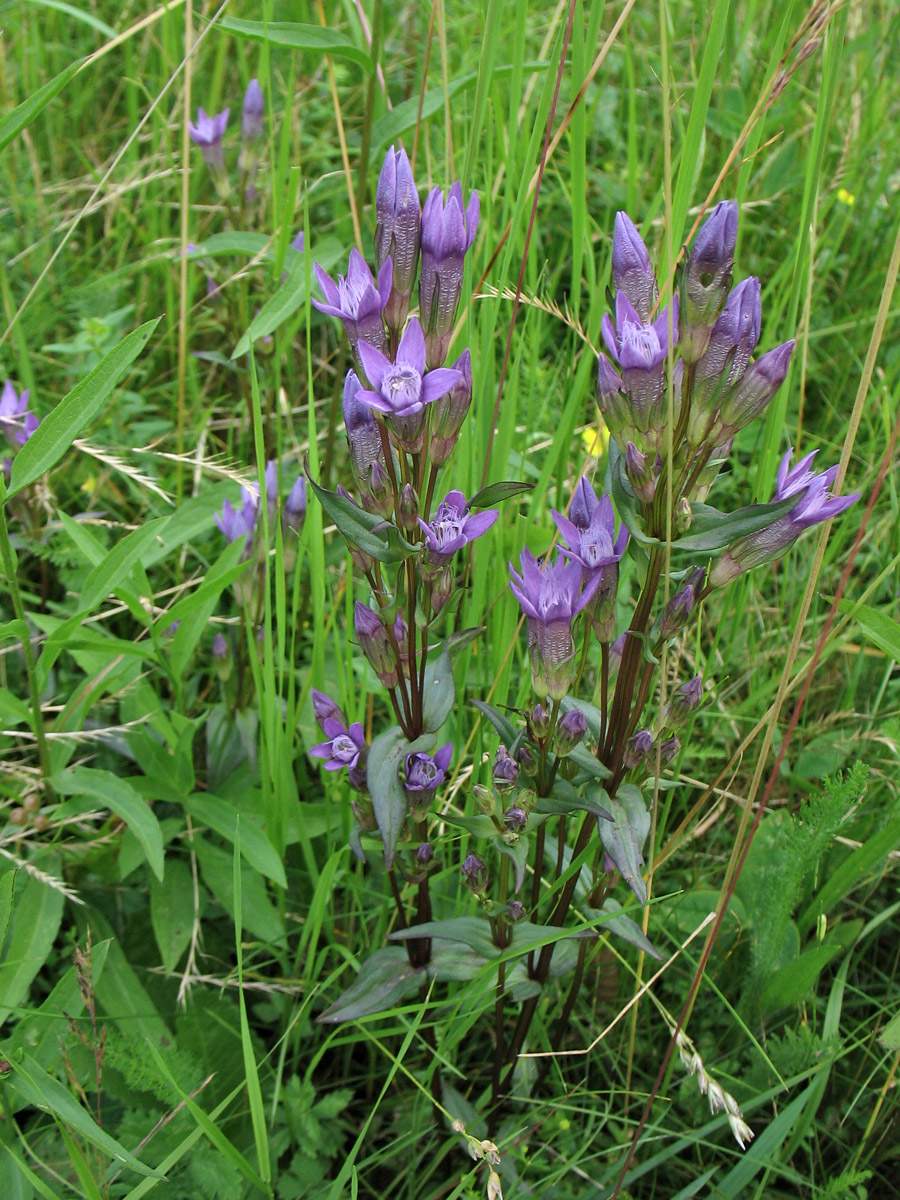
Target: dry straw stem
634	999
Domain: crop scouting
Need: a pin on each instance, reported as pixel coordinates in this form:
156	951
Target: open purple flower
357	300
236	522
641	351
591	539
401	389
344	746
16	422
207	133
448	231
453	527
424	774
815	504
551	598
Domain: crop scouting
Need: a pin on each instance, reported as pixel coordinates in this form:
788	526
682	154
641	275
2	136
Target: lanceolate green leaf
58	430
119	796
383	979
20	116
440	693
389	799
37	912
118	563
365	530
883	631
623	838
316	38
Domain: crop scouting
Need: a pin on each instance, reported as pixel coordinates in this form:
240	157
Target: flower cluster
208	133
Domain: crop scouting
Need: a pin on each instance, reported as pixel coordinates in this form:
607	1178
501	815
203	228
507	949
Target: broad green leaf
714	530
890	1035
221	815
172	912
496	493
389	799
440	693
14	629
37	912
119	796
883	631
788	985
500	722
383	979
615	921
48	1094
365	530
258	913
475	932
14	122
316	38
117	564
623	838
566	799
289	297
58	430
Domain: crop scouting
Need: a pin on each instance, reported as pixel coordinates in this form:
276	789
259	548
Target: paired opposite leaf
389	799
367	531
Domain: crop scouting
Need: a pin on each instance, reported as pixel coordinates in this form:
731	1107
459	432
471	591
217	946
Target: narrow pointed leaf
623	838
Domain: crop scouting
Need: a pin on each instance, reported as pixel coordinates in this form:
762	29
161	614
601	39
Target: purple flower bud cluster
240	522
208	133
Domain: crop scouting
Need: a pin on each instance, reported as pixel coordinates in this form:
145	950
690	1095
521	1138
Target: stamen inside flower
402	385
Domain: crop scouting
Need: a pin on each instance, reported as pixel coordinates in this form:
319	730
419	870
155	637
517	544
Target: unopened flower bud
293	513
448	231
570	731
505	771
526	760
398	231
750	398
475	874
514	821
484	799
222	659
631	269
612	400
707	278
375	644
361	427
638	749
516	910
449	411
364	814
677	612
540	722
401	636
669	750
683	703
424	854
639	470
526	799
408	507
325	709
683	517
377	495
253	112
441	589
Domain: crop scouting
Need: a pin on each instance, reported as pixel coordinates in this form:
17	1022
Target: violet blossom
207	133
631	269
424	774
815	504
398	230
357	300
448	231
551	598
16	422
343	747
239	522
452	528
641	351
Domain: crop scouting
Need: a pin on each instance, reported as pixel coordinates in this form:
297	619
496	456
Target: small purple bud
222	659
539	721
515	818
611	399
669	750
408	508
253	112
516	910
441	589
570	732
424	854
685	702
707	274
638	749
505	771
639	470
475	874
293	512
750	398
527	762
677	612
375	644
325	709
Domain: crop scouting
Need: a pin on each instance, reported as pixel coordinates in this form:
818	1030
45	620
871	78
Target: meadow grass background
203	988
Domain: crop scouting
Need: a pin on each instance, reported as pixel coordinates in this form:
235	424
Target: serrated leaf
362	529
496	493
289	297
117	564
317	38
384	978
58	430
389	799
623	838
46	1093
440	693
120	797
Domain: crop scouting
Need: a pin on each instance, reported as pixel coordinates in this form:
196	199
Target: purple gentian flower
448	231
815	504
363	436
344	746
357	300
592	541
452	528
641	351
732	341
551	599
293	511
750	395
15	421
424	774
401	389
252	113
236	522
325	709
398	230
631	269
207	134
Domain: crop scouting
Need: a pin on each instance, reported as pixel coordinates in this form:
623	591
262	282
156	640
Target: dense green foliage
178	901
